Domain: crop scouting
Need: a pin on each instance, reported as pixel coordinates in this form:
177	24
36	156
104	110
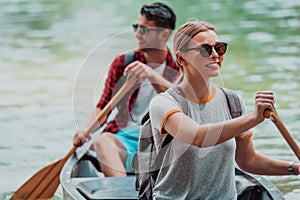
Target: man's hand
79	138
139	71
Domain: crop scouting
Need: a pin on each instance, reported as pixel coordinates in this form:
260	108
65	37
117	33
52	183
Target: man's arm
142	71
80	136
159	83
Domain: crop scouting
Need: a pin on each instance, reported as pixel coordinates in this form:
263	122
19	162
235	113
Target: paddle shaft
111	104
43	184
284	132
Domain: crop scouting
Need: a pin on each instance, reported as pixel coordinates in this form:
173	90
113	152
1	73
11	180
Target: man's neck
155	57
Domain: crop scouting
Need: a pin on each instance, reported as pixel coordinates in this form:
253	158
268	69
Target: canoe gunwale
69	191
70	178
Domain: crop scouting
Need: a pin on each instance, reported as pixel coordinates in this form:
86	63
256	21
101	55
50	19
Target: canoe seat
109	188
92	185
90	164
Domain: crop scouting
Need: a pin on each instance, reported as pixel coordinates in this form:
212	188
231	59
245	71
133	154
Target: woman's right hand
79	138
264	100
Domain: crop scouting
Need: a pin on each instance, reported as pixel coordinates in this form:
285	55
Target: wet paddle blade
44	183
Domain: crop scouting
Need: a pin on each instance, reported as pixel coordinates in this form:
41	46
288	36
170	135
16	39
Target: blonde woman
200	160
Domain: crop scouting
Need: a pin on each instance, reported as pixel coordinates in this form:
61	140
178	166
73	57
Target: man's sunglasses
206	49
143	30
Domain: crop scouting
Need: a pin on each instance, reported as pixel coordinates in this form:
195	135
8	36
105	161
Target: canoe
80	179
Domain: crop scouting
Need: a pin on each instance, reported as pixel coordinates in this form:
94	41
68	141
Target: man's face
149	38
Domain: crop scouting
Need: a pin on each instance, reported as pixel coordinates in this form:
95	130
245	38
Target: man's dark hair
161	14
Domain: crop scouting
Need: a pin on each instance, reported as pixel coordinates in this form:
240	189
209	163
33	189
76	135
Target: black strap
129	57
233	103
160	156
177	94
145	118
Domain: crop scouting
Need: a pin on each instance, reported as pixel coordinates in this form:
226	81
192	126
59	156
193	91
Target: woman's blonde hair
184	34
187	31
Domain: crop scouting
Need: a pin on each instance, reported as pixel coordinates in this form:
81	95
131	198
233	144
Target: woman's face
208	65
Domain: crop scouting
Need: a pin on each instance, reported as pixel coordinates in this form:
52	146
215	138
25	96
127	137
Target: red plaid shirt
114	81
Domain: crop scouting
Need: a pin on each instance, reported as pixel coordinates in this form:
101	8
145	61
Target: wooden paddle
44	183
274	117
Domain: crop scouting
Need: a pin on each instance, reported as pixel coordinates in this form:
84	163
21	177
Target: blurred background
55	55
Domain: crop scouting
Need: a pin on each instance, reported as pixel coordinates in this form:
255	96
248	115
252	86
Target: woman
200	161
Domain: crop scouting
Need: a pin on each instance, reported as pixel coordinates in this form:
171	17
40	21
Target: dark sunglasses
206	49
143	30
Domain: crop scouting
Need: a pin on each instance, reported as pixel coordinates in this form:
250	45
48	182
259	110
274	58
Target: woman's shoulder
170	96
163	96
234	100
229	92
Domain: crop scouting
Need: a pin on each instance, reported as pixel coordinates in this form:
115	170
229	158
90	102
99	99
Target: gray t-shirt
192	172
146	93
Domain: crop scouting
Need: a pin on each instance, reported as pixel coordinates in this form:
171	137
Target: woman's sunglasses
206	49
143	30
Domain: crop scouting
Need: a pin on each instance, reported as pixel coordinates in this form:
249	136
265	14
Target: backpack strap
129	57
233	102
177	94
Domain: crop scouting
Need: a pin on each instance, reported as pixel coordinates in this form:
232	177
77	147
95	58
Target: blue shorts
129	137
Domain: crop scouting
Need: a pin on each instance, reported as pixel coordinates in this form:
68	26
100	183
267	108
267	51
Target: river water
55	54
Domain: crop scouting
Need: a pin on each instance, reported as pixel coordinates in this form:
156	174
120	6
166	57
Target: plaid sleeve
171	72
115	73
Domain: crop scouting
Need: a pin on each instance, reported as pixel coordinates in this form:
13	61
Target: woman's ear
179	58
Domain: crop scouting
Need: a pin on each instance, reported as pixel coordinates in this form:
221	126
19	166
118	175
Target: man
154	69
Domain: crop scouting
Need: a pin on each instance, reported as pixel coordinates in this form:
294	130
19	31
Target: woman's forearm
187	130
264	165
216	133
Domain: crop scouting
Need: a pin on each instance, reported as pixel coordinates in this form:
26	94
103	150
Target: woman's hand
296	168
264	100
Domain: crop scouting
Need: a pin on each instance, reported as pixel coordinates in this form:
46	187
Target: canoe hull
80	179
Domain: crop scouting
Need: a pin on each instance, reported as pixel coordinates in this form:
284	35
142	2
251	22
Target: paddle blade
41	185
44	183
